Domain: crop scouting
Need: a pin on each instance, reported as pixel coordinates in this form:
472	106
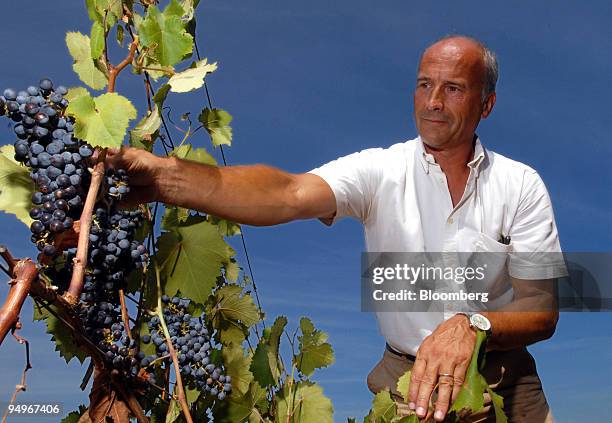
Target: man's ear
487	107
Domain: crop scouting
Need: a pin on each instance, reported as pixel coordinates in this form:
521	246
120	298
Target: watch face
480	322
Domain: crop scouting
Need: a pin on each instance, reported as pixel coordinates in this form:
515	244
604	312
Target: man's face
447	99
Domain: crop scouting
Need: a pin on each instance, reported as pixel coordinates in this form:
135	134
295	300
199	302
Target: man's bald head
473	50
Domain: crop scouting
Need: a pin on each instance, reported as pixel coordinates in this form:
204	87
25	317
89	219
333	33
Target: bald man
442	191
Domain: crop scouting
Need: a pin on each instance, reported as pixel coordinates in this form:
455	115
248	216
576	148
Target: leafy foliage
101	121
216	122
79	46
192	78
60	333
315	352
16	187
165	34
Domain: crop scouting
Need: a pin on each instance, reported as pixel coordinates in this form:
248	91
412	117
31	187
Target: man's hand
144	170
447	351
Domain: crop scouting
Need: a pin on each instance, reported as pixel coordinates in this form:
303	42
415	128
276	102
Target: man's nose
435	100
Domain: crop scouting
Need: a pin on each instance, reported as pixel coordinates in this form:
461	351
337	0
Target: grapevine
170	323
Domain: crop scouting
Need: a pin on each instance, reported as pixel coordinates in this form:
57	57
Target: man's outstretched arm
255	195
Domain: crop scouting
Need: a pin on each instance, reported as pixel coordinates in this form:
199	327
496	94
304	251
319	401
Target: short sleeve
536	248
353	180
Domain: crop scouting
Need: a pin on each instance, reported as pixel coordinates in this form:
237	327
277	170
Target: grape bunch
58	163
193	345
57	160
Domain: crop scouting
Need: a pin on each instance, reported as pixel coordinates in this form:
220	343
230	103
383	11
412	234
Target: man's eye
453	89
423	84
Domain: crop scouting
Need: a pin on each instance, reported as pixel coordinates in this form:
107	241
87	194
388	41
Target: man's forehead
460	54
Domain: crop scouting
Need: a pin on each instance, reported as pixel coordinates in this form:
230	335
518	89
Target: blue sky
309	82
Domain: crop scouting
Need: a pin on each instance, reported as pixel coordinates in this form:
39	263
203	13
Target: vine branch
25	272
73	293
22	384
115	70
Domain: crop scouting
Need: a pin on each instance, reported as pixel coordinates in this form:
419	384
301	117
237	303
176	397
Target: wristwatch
479	322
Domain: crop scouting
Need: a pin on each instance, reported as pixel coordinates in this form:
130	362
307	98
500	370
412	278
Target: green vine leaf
146	131
234	307
101	121
306	405
498	406
174	217
60	334
75	92
226	227
96	41
16	186
200	155
192	78
165	34
471	396
79	46
263	365
216	122
244	408
191	257
315	352
403	385
383	407
238	366
160	96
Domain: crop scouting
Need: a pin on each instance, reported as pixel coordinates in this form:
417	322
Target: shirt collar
428	159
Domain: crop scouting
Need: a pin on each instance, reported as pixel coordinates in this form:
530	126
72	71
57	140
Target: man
440	192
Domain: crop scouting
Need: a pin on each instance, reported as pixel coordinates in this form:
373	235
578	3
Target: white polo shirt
401	196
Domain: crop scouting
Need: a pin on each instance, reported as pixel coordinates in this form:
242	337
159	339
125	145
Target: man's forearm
254	195
519	328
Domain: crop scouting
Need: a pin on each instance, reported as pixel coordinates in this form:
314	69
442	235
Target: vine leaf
160	96
79	47
498	406
192	78
383	408
216	122
165	34
60	334
174	217
237	365
75	416
174	411
471	396
315	352
200	155
243	408
403	385
263	365
98	8
191	258
146	131
16	186
306	403
234	307
105	402
75	92
101	121
96	41
226	227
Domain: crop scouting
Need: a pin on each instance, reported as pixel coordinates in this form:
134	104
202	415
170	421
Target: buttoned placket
454	220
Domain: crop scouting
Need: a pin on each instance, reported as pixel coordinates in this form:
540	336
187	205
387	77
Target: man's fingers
459	378
445	389
426	387
138	195
418	370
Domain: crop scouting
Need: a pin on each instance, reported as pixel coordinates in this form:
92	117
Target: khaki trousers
513	371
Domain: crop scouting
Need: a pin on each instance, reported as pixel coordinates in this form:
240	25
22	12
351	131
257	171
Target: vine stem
24	272
115	70
124	314
73	293
179	380
22	384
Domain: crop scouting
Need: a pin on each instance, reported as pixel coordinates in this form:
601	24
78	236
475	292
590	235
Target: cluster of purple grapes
58	165
56	159
193	345
103	326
